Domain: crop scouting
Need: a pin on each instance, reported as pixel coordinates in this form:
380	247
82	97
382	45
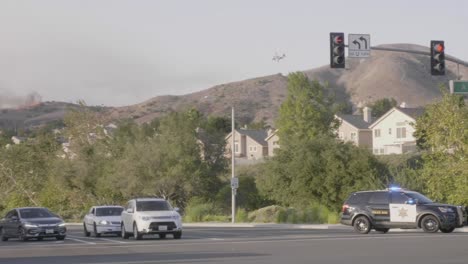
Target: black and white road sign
358	45
235	183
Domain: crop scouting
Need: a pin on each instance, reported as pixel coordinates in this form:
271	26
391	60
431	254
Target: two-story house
249	144
393	132
355	128
272	140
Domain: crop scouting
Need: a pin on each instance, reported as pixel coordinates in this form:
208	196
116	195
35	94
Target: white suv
150	216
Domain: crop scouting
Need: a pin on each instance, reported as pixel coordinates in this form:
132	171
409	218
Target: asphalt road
245	245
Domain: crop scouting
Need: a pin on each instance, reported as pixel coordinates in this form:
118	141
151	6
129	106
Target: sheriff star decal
403	213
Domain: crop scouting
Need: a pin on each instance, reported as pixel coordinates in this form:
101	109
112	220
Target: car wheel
447	230
178	235
40	238
96	234
124	233
22	234
362	225
2	235
85	230
136	234
60	237
162	236
382	230
430	224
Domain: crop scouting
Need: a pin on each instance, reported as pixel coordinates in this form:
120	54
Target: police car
399	208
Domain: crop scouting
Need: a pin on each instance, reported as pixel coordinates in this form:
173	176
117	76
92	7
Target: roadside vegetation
181	157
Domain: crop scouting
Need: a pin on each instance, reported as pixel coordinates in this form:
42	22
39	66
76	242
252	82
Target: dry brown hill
405	77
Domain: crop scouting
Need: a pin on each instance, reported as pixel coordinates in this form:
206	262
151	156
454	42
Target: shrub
242	216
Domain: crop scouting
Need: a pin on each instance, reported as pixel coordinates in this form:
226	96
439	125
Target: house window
389	131
253	148
353	135
275	143
236	147
381	151
401	132
377	133
341	135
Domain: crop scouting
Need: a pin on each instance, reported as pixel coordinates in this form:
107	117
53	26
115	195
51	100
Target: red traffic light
439	47
338	40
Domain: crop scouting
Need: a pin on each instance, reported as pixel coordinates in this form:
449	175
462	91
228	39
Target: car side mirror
130	210
177	209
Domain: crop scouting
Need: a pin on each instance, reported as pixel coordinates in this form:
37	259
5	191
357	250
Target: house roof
356	121
257	135
413	113
271	134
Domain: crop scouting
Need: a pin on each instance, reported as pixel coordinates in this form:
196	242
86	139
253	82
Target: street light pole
233	190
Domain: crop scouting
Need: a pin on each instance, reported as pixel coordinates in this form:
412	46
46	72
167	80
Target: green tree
312	165
443	132
381	106
306	112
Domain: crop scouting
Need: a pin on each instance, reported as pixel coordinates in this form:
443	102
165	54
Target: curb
288	226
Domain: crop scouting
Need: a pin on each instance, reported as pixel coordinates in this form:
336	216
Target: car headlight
62	224
176	217
103	222
145	218
445	209
29	225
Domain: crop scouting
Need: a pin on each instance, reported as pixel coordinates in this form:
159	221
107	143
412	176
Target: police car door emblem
403	212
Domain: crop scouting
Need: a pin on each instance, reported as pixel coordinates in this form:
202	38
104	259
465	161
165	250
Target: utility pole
233	187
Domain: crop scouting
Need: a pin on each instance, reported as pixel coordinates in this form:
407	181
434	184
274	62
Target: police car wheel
382	230
430	224
447	230
362	225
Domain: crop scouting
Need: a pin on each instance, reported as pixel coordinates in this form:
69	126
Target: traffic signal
337	50
437	57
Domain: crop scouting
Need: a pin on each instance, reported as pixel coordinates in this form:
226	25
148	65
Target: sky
123	52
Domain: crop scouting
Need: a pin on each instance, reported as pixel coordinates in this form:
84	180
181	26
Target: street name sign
359	45
458	87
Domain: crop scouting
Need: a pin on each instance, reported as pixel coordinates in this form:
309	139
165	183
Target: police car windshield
420	198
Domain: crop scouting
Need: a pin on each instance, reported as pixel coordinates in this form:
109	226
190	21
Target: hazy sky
117	52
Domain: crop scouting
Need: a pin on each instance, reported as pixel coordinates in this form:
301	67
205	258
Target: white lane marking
216	239
113	241
79	240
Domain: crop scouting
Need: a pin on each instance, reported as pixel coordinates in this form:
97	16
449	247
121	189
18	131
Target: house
248	144
355	128
393	132
272	141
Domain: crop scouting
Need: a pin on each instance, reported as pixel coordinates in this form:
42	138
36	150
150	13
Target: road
245	245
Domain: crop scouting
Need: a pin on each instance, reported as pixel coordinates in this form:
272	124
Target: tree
443	132
381	106
306	112
312	165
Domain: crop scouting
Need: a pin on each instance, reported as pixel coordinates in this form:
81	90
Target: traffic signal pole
427	53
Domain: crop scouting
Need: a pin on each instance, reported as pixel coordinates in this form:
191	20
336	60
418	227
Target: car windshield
421	198
109	211
35	213
153	206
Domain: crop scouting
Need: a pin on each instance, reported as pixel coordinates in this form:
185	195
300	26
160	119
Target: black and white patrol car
399	208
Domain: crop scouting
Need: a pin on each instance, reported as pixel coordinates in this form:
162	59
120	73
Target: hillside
405	77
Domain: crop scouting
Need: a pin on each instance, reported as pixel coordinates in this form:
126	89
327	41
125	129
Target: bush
200	210
242	216
313	214
267	214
